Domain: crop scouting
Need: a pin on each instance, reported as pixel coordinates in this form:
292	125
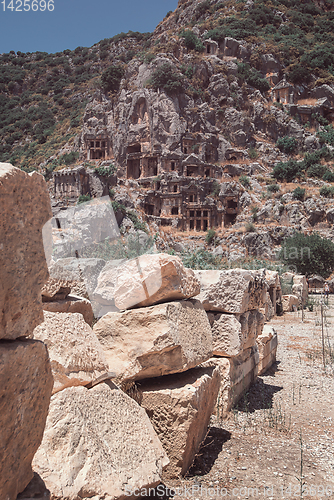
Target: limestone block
234	291
25	208
233	333
105	289
55	289
268	310
98	443
85	271
300	288
75	353
273	279
72	304
289	302
267	347
237	375
179	407
25	390
157	340
151	279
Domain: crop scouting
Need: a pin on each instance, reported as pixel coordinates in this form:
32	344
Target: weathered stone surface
25	390
104	292
72	304
267	347
289	302
98	443
231	334
75	353
179	407
150	279
234	291
157	340
237	375
300	288
25	208
55	289
84	271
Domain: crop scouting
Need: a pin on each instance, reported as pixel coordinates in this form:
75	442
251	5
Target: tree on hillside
308	254
111	78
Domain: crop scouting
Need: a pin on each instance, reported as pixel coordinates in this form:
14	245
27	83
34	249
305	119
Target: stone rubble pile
25	373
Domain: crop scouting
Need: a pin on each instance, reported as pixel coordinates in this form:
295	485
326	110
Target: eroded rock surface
157	340
98	443
25	208
25	389
179	407
75	353
150	279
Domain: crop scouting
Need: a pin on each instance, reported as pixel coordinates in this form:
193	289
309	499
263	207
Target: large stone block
76	355
84	271
157	340
98	443
231	334
300	288
72	304
179	407
289	303
267	346
25	208
25	390
151	279
234	291
237	375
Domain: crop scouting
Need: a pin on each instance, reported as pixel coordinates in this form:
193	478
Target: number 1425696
26	5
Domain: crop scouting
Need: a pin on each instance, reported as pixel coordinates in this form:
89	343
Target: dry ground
289	412
281	434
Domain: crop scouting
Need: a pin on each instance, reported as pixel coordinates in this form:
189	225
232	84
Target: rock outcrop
75	353
150	279
157	340
98	443
179	407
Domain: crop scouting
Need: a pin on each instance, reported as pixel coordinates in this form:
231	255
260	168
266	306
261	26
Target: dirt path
289	412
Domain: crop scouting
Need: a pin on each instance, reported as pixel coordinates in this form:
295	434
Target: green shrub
250	228
201	259
316	171
254	211
165	78
245	181
327	191
287	144
210	236
137	224
299	193
309	254
111	78
69	158
202	8
215	188
273	188
287	171
191	41
106	171
252	77
328	176
83	198
252	153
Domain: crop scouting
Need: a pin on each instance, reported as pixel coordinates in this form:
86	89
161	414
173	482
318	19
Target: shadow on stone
209	451
36	489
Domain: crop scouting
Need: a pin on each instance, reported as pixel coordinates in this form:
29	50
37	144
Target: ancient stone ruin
25	372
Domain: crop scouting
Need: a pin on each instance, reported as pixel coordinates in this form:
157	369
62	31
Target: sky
74	23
